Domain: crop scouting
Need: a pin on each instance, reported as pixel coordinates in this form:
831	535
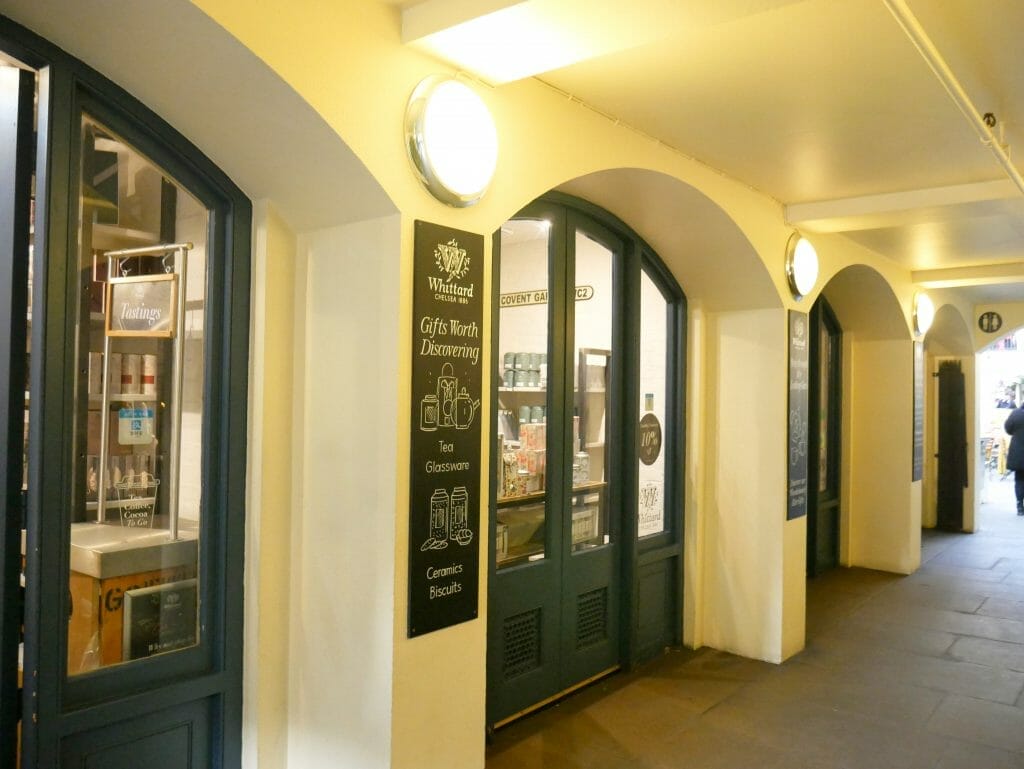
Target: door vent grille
591	617
521	644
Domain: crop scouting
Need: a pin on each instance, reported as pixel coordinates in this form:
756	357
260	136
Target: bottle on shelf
580	466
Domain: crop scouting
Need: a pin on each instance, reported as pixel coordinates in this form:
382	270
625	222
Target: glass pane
824	389
138	410
653	398
593	341
522	373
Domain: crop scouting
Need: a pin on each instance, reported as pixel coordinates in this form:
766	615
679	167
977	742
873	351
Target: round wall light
924	313
451	140
801	265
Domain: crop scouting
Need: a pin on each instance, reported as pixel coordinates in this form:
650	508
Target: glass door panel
521	442
134	539
592	353
653	398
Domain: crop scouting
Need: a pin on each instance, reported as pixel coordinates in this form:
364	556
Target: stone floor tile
987	723
996	654
996	574
970	755
978	625
952	583
916	672
916	594
1007	608
976	558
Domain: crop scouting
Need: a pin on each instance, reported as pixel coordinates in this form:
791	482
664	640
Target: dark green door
951	479
586	571
554	591
824	447
135	407
16	120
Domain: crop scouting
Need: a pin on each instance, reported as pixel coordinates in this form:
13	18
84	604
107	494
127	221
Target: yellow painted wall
346	541
879	496
744	507
794	586
744	589
270	500
1013	319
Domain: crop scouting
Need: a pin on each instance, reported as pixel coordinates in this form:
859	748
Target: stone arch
237	110
707	252
865	304
949	334
880	518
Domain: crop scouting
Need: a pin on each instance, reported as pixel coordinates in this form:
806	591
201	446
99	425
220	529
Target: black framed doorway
824	439
104	167
586	504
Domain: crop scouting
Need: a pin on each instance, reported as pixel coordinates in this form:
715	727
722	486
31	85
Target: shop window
134	560
653	399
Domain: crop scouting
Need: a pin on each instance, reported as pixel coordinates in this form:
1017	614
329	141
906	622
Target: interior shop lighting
801	265
924	313
451	140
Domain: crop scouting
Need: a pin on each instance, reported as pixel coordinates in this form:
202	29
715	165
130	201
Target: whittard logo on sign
453	263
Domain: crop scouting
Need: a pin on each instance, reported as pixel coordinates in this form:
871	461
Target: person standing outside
1014	427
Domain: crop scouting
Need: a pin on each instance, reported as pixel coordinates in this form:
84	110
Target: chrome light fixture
924	313
451	140
801	265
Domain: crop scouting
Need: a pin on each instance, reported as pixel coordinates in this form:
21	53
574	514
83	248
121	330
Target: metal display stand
180	271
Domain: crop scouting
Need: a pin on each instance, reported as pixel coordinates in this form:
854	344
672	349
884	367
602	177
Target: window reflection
653	399
523	404
138	411
592	345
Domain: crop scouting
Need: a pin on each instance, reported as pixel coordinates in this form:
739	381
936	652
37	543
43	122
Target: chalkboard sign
444	494
158	619
918	453
799	359
142	306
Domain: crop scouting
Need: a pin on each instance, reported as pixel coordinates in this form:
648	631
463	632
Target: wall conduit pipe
930	53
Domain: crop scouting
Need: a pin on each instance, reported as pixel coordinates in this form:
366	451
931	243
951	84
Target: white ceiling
828	107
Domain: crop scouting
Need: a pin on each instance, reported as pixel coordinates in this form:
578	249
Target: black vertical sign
444	493
799	359
918	455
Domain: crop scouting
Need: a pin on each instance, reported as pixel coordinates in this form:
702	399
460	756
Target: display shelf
538	496
108	237
590	391
520	555
97	400
115	503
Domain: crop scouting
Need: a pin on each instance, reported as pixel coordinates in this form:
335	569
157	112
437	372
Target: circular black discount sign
650	439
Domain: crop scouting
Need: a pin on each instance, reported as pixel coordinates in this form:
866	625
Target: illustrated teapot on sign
465	410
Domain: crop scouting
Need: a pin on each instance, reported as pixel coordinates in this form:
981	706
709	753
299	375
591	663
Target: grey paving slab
949	582
918	672
987	723
995	654
981	558
959	623
970	755
916	594
997	606
996	574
